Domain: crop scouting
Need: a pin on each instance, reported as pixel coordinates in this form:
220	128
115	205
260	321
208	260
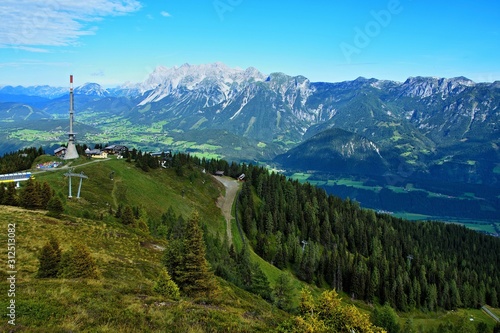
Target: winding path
225	203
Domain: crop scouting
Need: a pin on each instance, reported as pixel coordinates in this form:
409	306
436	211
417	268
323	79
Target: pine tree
78	263
46	193
195	277
50	258
2	193
283	292
30	197
55	207
172	258
127	216
166	287
119	211
260	283
10	196
245	267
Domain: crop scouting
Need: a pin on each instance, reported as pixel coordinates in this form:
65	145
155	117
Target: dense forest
19	160
373	257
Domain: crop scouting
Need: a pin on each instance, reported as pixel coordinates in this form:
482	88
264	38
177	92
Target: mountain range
426	128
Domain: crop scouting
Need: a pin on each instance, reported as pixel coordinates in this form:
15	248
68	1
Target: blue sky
114	41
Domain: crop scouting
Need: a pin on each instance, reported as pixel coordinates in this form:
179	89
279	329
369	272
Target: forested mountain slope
374	257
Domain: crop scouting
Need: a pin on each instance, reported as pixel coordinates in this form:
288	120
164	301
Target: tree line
34	195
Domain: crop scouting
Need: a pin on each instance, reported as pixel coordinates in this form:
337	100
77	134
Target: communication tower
71	152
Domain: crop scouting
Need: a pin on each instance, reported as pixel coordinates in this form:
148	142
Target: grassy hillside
122	300
114	181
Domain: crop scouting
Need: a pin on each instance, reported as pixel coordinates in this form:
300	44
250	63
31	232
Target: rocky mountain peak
91	89
165	81
427	86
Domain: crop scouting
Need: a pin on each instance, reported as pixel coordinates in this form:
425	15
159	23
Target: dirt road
225	203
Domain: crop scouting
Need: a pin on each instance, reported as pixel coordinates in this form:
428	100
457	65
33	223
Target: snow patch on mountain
92	89
207	77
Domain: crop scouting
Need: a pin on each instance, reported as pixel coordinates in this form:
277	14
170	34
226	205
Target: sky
112	42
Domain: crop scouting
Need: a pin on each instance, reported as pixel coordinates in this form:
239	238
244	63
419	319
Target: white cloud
30	49
26	23
98	73
165	14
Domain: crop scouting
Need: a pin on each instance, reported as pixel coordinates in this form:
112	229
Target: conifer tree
260	283
195	277
10	196
119	211
245	267
50	258
127	216
172	258
55	207
2	193
78	263
30	197
46	193
166	287
283	292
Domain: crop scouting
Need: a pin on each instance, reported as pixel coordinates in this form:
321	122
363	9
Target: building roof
60	149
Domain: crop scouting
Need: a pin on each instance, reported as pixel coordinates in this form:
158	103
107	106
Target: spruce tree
55	207
172	258
30	197
165	286
78	263
260	283
50	258
283	292
2	193
127	216
195	277
46	193
10	196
